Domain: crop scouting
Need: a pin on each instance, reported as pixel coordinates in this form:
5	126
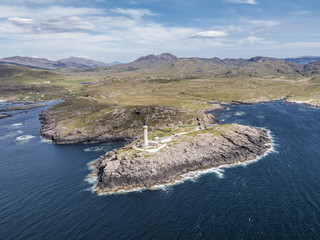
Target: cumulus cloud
209	34
243	1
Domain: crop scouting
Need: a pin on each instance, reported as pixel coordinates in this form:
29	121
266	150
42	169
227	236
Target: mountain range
43	63
166	64
303	60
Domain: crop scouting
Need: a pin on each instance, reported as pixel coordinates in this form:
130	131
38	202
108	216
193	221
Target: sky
123	30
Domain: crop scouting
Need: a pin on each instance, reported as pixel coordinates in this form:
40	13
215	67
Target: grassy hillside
28	84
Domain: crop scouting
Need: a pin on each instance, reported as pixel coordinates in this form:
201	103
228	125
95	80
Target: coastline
190	176
308	102
153	172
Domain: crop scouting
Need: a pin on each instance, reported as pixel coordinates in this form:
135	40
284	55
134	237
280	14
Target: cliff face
223	144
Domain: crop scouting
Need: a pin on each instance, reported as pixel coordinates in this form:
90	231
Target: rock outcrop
125	169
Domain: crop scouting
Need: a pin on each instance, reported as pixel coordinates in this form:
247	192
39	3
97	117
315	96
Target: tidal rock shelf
127	169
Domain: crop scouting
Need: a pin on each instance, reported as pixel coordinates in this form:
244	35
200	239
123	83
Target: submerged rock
127	169
5	115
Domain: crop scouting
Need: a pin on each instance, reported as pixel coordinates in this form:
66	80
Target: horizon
123	31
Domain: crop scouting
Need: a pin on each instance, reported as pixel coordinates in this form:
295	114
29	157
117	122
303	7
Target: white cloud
252	39
53	24
135	13
209	34
7	11
243	1
19	20
264	23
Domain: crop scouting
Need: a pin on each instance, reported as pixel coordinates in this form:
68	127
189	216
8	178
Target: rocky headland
127	169
115	123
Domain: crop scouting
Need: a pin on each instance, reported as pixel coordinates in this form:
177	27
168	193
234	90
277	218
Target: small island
133	167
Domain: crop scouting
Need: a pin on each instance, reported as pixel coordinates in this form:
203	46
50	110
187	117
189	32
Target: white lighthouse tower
145	135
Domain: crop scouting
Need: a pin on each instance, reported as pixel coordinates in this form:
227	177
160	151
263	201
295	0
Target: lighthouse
145	135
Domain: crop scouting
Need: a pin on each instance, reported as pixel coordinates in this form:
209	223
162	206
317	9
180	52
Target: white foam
17	124
240	113
46	140
24	137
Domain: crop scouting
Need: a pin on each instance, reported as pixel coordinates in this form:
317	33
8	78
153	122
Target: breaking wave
25	138
17	124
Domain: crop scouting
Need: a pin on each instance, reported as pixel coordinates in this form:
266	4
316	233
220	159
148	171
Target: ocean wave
17	124
240	113
25	138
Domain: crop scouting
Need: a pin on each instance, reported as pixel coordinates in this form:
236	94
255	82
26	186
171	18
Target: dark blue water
44	195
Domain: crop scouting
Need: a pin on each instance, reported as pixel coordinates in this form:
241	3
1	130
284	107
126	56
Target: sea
45	192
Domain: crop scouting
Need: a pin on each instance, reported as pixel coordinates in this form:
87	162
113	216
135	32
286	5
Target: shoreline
111	175
189	176
307	103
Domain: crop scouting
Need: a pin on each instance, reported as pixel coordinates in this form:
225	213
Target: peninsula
127	169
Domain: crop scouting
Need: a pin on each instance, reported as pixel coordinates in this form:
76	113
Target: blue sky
114	30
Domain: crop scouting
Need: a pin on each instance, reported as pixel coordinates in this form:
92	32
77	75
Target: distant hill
43	63
303	60
311	69
114	63
168	64
81	62
13	71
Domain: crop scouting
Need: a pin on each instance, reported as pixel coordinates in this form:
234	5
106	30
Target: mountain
152	60
303	60
43	63
81	62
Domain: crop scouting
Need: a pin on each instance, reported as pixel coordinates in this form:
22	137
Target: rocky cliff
128	169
